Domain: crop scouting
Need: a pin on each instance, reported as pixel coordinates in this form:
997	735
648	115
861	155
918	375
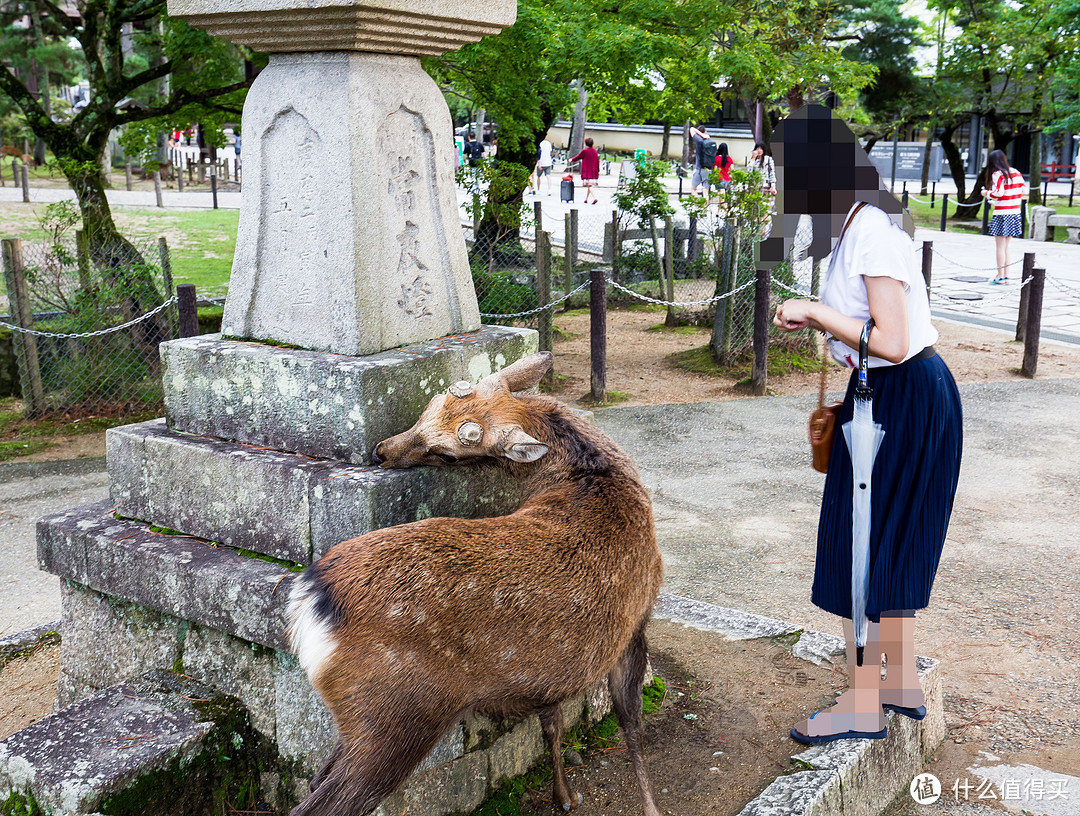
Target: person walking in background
1005	188
872	289
723	164
590	169
543	165
704	158
762	162
473	150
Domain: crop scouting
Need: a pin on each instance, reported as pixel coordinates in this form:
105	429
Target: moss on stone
18	805
291	566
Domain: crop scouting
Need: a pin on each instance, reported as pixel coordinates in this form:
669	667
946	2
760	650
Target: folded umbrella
863	437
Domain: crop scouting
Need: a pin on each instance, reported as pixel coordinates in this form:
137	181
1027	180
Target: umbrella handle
864	391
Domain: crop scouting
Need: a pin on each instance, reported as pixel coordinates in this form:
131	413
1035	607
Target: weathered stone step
179	575
150	746
324	405
279	504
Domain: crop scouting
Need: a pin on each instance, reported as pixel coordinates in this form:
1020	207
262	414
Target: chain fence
85	325
710	282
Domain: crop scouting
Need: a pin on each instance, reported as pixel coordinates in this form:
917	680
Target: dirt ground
639	361
719	738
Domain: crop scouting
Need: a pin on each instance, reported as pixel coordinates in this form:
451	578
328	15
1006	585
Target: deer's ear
520	447
526	373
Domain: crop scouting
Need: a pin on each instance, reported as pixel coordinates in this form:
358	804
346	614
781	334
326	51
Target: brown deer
405	630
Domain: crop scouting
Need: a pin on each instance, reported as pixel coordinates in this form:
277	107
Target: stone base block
283	505
134	747
322	405
178	575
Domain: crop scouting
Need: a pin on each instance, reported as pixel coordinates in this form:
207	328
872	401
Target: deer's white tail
310	615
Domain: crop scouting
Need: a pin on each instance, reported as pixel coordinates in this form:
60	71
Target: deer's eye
446	457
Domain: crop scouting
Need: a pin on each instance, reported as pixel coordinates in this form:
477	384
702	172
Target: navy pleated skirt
912	488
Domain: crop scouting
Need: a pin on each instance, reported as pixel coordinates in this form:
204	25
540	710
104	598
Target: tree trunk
795	98
956	162
481	115
666	144
122	266
1035	176
926	160
687	145
577	131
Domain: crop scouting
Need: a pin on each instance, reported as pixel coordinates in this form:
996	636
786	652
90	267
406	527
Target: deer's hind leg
551	720
625	682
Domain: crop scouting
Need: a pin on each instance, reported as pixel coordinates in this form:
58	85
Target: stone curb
842	778
12	645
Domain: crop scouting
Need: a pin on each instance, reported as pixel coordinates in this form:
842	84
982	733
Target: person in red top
723	165
1006	189
590	170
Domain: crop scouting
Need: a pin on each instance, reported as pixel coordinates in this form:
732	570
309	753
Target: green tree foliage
130	50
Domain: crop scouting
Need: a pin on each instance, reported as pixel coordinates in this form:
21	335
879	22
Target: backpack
709	150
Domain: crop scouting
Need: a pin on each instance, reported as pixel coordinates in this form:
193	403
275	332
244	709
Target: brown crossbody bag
824	418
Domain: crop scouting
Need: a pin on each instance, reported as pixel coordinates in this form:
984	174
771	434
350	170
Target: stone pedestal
350	239
257	470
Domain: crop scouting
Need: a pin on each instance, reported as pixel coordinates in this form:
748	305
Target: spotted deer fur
407	629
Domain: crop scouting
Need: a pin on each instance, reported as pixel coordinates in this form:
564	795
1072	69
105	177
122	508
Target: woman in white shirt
872	274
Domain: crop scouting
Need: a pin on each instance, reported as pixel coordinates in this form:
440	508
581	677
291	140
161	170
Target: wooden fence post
725	282
598	335
986	217
180	172
25	183
543	287
944	209
1025	295
26	351
189	315
14	172
758	376
213	184
127	176
82	259
573	239
669	268
927	264
157	189
1034	323
568	258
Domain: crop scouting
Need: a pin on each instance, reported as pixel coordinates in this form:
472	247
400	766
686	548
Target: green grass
928	218
21	437
201	242
663	327
781	361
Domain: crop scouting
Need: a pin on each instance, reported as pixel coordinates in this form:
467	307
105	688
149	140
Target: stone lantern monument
350	239
350	305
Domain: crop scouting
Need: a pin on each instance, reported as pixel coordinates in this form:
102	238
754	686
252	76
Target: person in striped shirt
1005	189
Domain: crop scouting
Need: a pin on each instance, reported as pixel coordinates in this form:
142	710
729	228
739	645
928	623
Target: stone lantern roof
417	27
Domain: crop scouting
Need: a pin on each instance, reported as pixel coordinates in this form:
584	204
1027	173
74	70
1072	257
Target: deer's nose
376	459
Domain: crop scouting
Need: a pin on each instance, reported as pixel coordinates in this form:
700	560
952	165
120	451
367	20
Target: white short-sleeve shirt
545	154
874	246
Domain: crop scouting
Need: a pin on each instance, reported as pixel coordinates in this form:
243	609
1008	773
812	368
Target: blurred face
757	154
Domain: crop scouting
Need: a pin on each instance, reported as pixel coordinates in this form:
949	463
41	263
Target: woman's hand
792	315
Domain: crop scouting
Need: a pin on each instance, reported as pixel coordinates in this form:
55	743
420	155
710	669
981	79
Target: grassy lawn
201	242
930	218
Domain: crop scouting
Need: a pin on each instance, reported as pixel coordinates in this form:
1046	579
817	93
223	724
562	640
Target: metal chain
781	285
979	303
975	268
1063	287
676	303
99	332
539	309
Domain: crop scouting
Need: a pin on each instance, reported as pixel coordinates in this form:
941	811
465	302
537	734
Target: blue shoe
914	713
798	736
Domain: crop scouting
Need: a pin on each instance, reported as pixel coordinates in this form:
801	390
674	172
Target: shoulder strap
823	357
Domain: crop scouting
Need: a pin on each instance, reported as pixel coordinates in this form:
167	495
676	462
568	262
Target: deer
406	630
